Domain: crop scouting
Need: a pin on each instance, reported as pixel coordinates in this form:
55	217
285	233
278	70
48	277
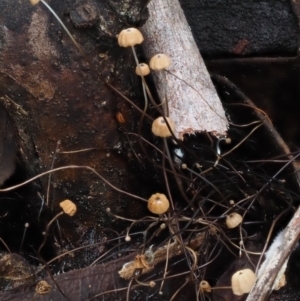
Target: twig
172	250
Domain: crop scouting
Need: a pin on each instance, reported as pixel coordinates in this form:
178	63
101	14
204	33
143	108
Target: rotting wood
79	284
51	95
192	99
93	280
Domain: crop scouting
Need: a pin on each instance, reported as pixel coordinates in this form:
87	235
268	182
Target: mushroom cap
160	128
280	283
152	284
233	220
34	2
205	286
158	203
68	207
130	37
42	287
242	281
160	61
142	69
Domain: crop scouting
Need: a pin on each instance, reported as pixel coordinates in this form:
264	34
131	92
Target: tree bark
52	94
193	102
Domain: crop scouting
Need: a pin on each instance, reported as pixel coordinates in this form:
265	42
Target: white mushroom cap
160	128
233	220
242	281
130	37
160	61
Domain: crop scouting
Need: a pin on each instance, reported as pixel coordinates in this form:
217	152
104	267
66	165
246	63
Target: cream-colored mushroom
160	61
281	283
158	203
34	2
130	37
233	220
205	287
142	69
160	128
68	207
152	284
242	281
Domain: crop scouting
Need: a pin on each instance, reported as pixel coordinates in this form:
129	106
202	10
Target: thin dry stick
78	151
74	167
180	288
44	262
5	245
166	266
57	150
160	255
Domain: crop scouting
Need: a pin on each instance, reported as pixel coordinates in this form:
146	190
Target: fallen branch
193	102
274	269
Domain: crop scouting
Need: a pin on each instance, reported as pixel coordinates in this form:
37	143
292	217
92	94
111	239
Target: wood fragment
160	255
192	99
263	286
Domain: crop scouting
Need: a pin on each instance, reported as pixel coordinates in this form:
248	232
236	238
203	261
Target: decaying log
80	284
52	94
192	99
83	283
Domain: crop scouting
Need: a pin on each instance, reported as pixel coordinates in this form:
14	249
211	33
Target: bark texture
52	94
233	28
80	284
192	99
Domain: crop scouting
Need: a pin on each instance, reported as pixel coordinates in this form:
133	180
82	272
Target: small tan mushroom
242	282
205	287
152	284
34	2
130	37
160	128
160	61
233	220
281	283
42	288
158	203
68	207
142	69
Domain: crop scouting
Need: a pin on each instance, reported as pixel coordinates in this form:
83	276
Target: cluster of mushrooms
161	126
243	280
